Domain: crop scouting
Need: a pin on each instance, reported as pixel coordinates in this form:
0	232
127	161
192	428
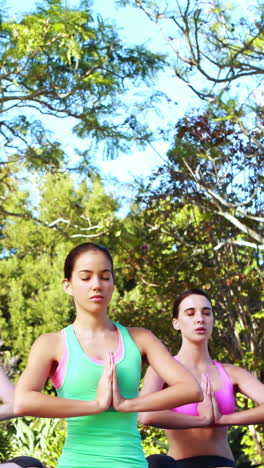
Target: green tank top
109	439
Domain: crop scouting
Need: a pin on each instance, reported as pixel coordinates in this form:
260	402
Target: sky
135	28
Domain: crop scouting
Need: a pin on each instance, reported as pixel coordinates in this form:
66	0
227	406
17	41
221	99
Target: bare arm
9	465
6	395
182	389
30	401
249	386
170	419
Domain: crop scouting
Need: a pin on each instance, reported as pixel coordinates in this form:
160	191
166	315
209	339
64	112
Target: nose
96	284
199	317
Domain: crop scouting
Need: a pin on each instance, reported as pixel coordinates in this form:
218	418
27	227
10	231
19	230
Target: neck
92	323
193	354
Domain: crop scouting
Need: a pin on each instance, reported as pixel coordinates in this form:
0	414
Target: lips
97	298
200	330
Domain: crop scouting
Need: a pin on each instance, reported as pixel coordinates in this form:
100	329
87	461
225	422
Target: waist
209	441
109	427
205	461
102	448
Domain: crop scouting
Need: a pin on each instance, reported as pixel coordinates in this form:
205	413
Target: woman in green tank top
95	366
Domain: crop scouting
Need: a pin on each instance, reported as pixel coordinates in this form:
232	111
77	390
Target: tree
211	44
215	166
33	251
175	251
68	63
64	64
217	50
201	213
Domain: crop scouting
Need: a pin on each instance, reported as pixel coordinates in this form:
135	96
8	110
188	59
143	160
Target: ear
67	286
175	324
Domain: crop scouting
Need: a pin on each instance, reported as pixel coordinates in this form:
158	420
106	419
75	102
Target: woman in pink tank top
197	432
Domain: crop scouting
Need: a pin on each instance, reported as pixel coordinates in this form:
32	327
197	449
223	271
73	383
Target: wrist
222	420
124	406
205	421
98	407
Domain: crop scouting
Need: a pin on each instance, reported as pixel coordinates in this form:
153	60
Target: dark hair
183	295
78	250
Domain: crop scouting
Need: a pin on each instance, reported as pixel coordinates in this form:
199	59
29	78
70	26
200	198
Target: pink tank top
225	397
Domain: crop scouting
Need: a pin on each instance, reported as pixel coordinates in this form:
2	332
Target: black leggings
205	461
25	462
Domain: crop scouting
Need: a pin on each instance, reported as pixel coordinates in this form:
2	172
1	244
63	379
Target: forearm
171	420
7	411
171	397
47	406
9	465
241	418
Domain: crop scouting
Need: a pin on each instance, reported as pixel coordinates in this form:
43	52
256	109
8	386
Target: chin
199	339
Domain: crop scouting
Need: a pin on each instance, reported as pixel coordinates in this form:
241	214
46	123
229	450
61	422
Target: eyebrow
91	271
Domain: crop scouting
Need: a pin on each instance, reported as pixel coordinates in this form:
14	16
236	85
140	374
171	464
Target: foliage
63	62
33	251
213	45
197	223
6	442
217	50
158	251
211	163
236	436
41	438
153	440
178	253
33	248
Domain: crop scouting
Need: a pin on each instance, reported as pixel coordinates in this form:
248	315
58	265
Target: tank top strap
72	341
223	374
129	346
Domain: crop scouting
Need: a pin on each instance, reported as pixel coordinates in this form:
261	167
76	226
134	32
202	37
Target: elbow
19	407
18	410
145	418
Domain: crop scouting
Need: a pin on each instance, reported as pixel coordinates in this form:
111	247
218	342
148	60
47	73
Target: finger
112	365
205	379
112	357
205	384
210	389
107	360
114	376
209	386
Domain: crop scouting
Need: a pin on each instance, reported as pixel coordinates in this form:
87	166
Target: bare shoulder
48	339
141	336
49	344
246	383
149	345
139	332
237	373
